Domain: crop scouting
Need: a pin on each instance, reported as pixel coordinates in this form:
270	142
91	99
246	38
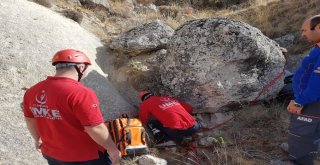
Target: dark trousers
103	159
174	134
304	135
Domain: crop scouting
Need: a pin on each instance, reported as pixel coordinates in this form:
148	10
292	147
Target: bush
76	16
45	3
217	3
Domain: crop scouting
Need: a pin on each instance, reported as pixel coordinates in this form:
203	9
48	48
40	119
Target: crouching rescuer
170	115
64	117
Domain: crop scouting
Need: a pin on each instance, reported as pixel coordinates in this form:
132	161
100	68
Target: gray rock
152	7
29	36
151	160
286	40
215	63
157	58
149	37
74	2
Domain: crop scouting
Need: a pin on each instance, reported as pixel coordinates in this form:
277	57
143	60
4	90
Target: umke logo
40	109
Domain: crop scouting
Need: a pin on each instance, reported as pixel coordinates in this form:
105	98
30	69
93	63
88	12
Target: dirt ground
254	137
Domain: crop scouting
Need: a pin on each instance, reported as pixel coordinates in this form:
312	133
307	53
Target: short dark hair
64	65
314	21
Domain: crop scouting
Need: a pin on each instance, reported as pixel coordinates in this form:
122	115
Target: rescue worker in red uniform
64	117
172	116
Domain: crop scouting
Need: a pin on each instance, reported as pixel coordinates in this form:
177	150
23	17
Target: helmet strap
146	96
80	74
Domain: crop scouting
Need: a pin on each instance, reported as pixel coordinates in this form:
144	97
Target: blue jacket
306	83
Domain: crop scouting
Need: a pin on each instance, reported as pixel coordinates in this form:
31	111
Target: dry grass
258	131
256	14
275	18
138	66
145	1
253	138
121	9
206	13
174	16
286	17
173	23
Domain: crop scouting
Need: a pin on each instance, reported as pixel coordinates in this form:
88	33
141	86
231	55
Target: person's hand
38	144
317	70
115	155
293	108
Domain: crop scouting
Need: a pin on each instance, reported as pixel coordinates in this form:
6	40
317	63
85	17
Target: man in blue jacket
304	128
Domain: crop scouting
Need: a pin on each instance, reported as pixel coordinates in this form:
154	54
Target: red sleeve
86	108
26	107
144	114
186	106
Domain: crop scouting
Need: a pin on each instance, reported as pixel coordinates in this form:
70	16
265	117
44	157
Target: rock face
29	36
146	38
212	63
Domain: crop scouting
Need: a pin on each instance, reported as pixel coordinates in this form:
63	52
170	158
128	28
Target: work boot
284	147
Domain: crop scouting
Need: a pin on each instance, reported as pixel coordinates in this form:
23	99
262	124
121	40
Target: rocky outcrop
137	57
29	36
214	63
149	37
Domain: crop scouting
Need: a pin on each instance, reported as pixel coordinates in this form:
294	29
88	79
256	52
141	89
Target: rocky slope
29	35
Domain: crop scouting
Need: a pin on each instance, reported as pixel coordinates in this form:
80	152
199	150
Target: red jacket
171	112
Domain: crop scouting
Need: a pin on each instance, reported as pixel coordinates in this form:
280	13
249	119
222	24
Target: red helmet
70	56
143	93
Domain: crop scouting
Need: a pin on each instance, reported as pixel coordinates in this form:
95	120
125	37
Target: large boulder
214	63
149	37
29	35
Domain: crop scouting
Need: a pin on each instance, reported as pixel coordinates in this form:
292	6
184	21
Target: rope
272	82
216	126
193	148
